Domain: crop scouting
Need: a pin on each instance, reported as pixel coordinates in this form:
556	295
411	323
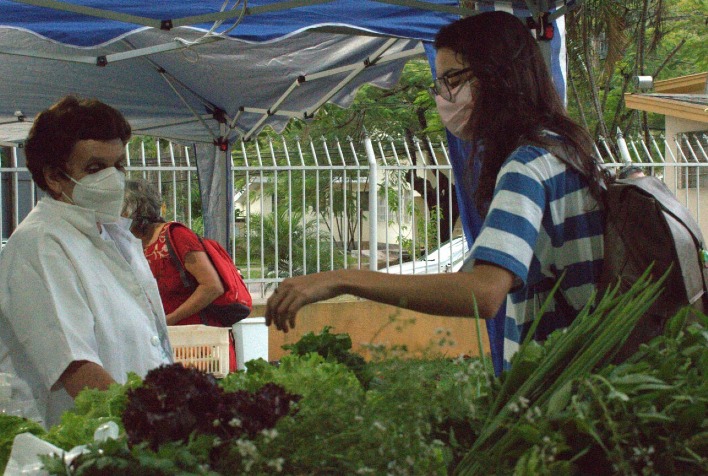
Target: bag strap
187	280
183	273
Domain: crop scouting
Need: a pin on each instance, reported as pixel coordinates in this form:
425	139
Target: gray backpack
646	225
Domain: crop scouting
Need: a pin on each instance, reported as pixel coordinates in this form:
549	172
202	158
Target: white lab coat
69	294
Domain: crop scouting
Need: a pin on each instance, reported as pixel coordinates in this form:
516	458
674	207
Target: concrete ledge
371	323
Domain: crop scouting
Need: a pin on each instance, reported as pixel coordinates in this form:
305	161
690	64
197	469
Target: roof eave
668	107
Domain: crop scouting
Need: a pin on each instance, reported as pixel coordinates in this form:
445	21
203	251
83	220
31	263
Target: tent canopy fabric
262	20
182	69
180	94
233	75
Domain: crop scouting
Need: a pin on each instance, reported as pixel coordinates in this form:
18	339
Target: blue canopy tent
209	72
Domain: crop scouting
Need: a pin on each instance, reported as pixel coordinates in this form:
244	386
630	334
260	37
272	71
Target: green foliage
10	426
311	250
333	347
564	408
406	109
116	457
540	423
609	43
92	409
400	425
426	233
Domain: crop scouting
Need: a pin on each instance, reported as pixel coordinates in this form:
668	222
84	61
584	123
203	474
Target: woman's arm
209	286
449	294
82	374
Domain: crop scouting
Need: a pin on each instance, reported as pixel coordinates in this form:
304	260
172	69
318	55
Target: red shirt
172	291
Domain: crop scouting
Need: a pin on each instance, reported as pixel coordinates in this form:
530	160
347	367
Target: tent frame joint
543	26
222	143
219	115
369	62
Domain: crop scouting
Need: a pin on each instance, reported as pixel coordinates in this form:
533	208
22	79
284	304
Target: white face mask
456	115
101	192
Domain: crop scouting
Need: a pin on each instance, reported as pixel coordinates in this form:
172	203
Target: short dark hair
56	131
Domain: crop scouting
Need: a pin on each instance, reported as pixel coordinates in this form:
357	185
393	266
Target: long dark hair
516	99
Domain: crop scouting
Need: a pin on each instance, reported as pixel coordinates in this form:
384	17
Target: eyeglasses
442	86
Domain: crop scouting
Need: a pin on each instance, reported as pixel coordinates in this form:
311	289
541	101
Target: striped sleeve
510	231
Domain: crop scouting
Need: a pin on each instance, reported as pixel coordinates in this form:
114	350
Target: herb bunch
175	401
333	347
564	408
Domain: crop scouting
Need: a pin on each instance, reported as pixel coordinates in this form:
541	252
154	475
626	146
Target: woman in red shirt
182	304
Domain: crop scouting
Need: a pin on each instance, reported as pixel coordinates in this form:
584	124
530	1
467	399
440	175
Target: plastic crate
202	347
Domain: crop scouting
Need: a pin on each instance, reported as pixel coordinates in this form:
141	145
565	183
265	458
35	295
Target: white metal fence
308	207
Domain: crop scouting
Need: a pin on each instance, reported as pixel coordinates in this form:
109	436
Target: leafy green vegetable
334	347
564	409
11	426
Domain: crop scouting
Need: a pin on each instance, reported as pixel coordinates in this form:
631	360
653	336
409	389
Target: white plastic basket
205	348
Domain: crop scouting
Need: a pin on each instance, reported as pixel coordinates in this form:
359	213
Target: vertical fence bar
686	175
261	181
414	172
189	190
15	189
317	205
247	180
174	181
142	159
276	210
373	201
385	170
401	198
426	211
692	154
436	215
290	207
345	206
304	202
331	202
360	230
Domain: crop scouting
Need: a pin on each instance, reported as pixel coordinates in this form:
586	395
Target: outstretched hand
294	293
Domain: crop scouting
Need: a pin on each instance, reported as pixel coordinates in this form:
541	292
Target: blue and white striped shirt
542	221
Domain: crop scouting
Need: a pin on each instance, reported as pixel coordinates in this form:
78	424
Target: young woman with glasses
538	191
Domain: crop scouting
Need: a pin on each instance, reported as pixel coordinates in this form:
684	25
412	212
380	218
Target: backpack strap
187	280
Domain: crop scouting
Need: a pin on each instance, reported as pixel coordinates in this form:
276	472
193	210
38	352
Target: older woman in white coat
78	305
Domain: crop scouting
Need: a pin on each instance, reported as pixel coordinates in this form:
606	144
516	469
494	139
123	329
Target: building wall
694	199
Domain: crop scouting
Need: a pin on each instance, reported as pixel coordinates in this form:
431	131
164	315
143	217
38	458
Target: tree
406	112
610	43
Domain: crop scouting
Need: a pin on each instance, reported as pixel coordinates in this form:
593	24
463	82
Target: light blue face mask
102	192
